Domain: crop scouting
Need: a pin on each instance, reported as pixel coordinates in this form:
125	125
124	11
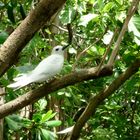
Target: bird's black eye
57	49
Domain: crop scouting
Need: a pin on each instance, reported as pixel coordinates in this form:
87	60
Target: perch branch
48	88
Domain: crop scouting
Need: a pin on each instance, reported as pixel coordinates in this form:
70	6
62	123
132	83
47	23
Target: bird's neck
58	54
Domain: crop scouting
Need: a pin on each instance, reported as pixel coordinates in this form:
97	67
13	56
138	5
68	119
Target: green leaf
132	27
115	107
22	122
106	118
61	93
129	58
68	94
108	7
47	116
2	5
13	125
10	73
85	19
42	104
68	15
101	4
92	51
48	135
139	9
53	123
119	2
37	117
72	51
3	36
38	135
134	22
45	134
14	3
107	37
101	50
4	81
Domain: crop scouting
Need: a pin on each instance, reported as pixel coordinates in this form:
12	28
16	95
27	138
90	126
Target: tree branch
131	12
65	30
98	99
57	84
26	30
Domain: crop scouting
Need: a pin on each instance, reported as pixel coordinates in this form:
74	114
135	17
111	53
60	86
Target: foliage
39	126
91	20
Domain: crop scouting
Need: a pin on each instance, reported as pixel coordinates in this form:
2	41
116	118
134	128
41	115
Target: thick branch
98	99
131	12
36	94
26	30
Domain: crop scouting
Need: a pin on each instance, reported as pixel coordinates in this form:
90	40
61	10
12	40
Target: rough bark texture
98	99
26	30
57	84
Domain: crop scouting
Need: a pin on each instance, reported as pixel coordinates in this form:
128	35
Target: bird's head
58	49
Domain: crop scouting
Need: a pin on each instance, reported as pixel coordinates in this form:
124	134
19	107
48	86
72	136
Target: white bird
45	70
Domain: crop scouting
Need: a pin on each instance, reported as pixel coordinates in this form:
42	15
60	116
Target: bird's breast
56	62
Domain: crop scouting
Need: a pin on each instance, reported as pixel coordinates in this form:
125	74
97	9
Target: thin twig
65	30
60	28
107	51
81	53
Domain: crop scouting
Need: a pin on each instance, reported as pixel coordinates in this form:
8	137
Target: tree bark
26	30
98	99
55	85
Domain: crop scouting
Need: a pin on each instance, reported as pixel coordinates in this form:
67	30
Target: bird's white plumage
46	69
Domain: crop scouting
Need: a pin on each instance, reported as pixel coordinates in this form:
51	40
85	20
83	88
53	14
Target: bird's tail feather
20	82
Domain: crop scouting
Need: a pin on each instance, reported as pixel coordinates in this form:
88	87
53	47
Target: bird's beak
65	47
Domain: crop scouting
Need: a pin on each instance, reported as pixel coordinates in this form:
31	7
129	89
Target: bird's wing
50	66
